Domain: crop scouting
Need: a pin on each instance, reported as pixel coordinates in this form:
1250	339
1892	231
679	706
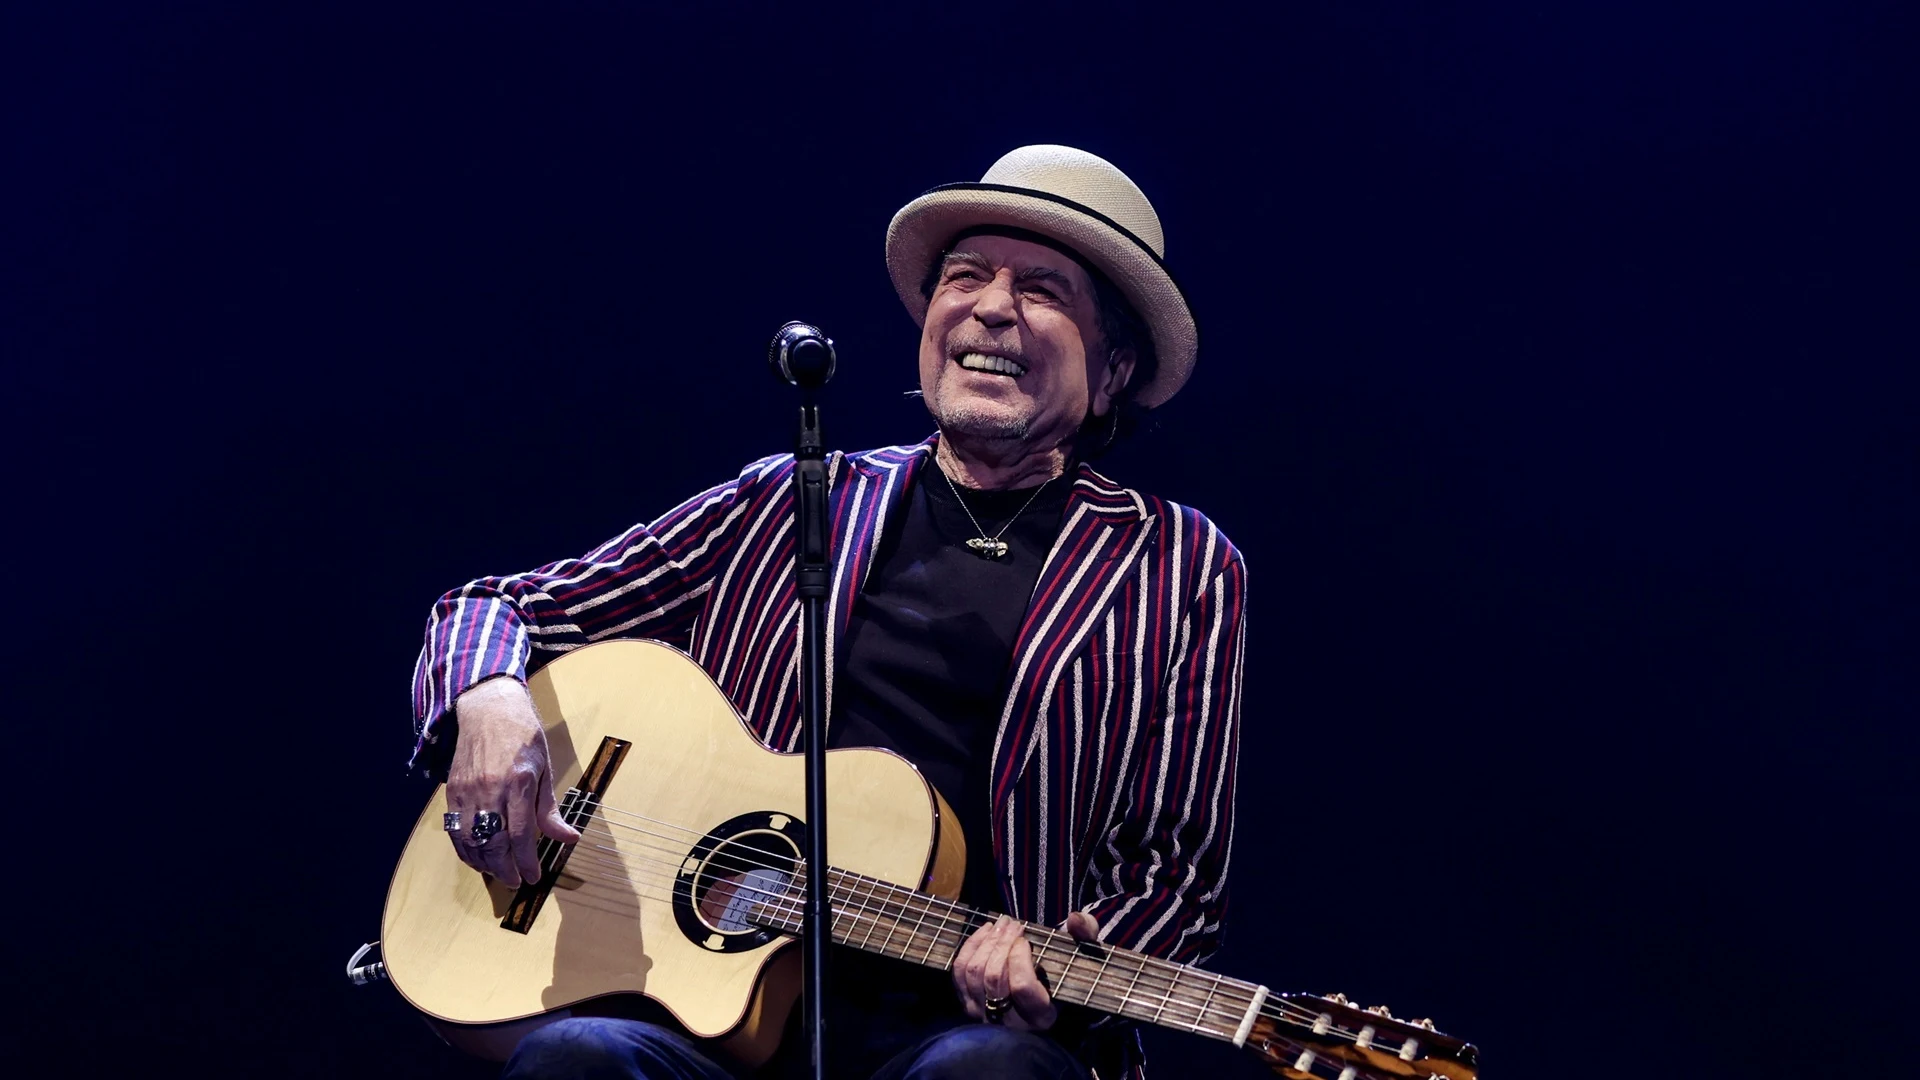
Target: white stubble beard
982	424
968	418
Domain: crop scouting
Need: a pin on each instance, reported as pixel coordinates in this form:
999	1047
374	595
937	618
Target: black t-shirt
930	639
925	665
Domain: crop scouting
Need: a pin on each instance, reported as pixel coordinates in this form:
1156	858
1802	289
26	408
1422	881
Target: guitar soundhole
734	876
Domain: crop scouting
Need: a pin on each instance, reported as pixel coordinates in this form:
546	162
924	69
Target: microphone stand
804	356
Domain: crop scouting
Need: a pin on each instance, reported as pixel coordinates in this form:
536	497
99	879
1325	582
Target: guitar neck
879	917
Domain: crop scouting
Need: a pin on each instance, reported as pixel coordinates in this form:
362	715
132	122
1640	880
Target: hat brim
922	228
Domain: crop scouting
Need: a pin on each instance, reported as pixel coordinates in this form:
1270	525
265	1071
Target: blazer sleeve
1175	839
645	582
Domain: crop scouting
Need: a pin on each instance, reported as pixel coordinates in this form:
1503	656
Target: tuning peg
1428	1024
1381	1010
1339	999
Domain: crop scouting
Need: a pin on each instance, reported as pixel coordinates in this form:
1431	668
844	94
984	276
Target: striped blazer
1113	764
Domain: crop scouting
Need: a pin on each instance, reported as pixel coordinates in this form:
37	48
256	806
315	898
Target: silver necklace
990	547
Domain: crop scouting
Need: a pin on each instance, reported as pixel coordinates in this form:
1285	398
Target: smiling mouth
997	365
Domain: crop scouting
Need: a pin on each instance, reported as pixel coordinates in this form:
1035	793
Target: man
1059	655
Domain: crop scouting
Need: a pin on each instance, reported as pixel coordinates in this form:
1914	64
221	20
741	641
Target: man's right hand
500	764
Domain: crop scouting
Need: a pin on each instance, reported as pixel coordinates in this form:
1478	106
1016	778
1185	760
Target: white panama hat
1073	197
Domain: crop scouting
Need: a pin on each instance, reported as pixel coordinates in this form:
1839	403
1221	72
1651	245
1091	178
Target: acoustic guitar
688	883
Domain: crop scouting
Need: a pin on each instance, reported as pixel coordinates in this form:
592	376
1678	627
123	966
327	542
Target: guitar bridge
577	808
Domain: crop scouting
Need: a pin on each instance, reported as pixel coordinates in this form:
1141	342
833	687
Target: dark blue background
1555	381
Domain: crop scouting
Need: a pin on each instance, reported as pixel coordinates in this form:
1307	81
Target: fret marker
1365	1038
1304	1063
1408	1049
1253	1012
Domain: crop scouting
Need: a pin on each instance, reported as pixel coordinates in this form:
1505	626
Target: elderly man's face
1011	351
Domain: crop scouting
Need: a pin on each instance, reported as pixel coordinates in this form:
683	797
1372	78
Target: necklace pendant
987	548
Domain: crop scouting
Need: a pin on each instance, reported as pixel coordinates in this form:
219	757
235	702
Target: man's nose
993	304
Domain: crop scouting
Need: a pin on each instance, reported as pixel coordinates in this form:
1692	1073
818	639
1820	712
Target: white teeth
974	361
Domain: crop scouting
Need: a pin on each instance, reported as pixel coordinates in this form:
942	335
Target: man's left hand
997	963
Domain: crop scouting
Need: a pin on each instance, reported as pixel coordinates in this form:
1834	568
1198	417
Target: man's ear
1119	371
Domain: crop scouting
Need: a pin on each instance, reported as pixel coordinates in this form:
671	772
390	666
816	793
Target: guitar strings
849	913
844	913
640	890
1169	978
895	922
859	908
1165	980
1077	972
853	912
1239	994
855	905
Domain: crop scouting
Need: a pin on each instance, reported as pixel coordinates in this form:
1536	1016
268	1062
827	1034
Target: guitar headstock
1308	1037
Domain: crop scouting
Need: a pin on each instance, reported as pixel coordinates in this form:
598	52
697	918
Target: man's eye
956	275
1044	294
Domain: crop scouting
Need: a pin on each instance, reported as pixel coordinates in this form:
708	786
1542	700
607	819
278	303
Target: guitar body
694	790
685	890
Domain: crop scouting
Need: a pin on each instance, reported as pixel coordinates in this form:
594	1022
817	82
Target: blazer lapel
864	499
1105	531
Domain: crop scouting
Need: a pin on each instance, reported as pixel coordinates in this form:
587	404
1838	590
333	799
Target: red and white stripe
1113	763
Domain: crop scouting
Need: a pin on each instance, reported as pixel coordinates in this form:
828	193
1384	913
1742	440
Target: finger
467	853
1032	1005
457	803
464	851
994	964
497	855
1083	927
551	822
972	971
523	826
967	972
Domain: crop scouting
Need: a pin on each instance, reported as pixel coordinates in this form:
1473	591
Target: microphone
802	355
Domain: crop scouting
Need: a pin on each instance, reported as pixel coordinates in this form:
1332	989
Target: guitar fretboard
880	917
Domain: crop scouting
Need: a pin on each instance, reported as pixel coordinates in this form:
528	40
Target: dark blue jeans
598	1048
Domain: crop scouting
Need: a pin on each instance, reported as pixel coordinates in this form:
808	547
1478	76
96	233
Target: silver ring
452	819
996	1009
485	824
